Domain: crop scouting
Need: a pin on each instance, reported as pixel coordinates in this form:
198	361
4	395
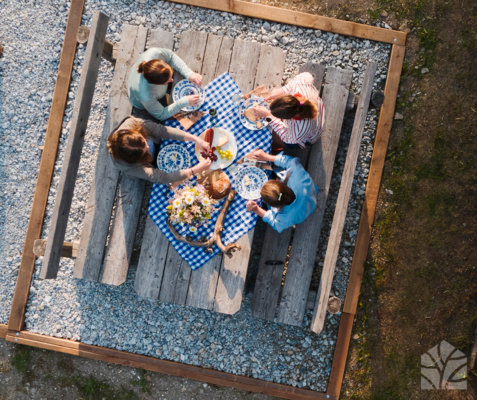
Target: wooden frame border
13	332
302	19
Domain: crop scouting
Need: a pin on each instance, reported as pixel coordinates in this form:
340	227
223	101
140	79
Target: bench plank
103	187
275	245
128	206
341	209
307	234
82	108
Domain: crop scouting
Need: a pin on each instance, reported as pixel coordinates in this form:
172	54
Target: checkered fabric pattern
238	220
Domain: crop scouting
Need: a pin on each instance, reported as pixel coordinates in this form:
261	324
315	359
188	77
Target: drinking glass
236	98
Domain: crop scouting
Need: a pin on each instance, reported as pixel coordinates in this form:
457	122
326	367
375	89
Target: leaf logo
444	367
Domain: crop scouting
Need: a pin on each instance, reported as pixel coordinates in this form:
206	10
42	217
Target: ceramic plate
187	88
173	158
249	182
219	133
249	103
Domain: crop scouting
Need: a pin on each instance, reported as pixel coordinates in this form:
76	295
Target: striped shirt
301	131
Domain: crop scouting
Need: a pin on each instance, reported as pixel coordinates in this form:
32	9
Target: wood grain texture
166	367
211	58
191	50
128	206
225	56
383	131
320	167
243	65
152	259
3	331
74	147
103	187
341	353
302	19
203	284
83	36
275	246
69	248
270	67
47	165
342	202
176	278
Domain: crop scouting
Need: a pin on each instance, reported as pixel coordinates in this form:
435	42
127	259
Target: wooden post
108	53
71	162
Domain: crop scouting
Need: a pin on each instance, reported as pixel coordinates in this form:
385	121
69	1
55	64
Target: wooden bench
161	273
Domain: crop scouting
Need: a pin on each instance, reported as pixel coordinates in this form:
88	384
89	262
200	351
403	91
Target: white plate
257	178
173	158
187	88
249	103
231	145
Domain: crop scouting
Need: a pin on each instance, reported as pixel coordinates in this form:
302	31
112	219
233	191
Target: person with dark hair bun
148	80
134	145
291	198
297	113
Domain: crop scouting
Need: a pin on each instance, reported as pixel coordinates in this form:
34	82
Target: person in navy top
291	198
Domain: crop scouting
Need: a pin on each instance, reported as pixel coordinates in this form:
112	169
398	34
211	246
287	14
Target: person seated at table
149	78
297	113
134	146
291	198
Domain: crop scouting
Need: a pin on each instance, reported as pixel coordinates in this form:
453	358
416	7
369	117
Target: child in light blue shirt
291	198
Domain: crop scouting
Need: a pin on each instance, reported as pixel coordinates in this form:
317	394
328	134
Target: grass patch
144	382
21	359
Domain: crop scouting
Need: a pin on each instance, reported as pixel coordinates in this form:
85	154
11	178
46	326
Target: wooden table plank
152	260
211	58
103	188
191	50
175	281
243	65
225	55
320	168
344	194
270	67
275	245
128	206
47	165
203	284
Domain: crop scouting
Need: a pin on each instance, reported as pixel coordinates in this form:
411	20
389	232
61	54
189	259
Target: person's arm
271	218
176	63
253	207
162	113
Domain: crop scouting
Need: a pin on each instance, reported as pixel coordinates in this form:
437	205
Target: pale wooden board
305	242
228	298
191	51
211	58
243	65
341	209
103	187
69	171
275	246
128	206
176	277
225	55
151	263
203	284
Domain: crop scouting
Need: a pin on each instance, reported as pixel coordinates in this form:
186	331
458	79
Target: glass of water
236	99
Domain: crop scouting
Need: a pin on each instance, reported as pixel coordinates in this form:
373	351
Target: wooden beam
107	54
166	367
47	165
305	20
344	194
68	250
374	178
79	122
3	331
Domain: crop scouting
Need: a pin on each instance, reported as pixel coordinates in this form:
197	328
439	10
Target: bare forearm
260	212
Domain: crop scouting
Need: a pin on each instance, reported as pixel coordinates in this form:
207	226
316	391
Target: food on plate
209	136
174	157
225	154
250	114
259	124
210	154
222	141
247	180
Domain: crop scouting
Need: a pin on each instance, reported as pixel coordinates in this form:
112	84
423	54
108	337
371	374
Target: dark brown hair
288	107
129	145
271	193
156	72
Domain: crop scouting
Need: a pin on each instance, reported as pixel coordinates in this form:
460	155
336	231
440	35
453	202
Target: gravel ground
115	316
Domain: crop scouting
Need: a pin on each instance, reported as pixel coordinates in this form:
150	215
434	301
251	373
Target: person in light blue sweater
148	79
291	198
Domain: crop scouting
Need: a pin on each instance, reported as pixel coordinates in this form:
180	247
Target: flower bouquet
191	206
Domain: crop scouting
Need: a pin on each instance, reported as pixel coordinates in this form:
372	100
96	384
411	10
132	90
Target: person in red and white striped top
297	113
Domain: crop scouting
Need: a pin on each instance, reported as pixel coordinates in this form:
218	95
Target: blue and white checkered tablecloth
238	220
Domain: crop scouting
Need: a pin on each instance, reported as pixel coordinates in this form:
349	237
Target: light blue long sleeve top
305	191
142	94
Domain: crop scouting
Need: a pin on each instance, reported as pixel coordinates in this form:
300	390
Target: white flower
177	203
192	228
205	201
189	199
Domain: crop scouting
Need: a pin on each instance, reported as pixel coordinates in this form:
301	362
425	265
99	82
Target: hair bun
140	67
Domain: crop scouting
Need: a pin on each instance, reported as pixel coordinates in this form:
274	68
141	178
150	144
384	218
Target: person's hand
202	166
259	155
203	145
193	99
261	112
196	79
251	206
275	93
